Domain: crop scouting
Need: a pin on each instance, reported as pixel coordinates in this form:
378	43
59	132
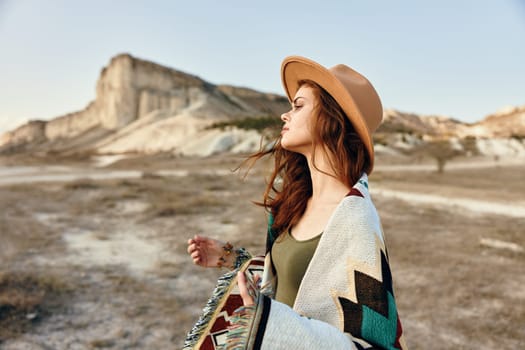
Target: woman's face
296	135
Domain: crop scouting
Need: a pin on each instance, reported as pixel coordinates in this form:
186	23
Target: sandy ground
102	249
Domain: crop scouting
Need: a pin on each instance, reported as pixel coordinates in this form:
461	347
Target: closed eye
295	102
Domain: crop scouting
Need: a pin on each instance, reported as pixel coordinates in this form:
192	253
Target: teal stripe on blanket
378	329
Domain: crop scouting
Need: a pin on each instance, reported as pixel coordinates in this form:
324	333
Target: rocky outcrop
499	134
130	89
400	122
33	131
508	122
73	124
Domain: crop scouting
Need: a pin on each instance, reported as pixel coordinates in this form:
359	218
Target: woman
326	281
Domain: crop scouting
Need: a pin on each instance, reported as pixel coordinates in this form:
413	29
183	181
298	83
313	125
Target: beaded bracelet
227	250
241	255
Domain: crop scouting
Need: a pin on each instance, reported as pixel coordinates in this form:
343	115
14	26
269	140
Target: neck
326	187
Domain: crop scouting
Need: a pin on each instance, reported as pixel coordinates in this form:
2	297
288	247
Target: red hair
290	183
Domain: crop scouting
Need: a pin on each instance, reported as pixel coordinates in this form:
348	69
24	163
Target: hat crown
362	92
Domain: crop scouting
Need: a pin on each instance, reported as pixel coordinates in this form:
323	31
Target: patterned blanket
209	333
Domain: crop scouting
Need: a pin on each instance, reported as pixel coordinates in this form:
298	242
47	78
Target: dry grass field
101	264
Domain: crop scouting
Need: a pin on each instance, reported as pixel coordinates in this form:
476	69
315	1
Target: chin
287	146
296	148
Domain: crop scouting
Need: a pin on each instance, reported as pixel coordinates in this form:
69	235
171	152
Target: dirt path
11	175
26	175
516	210
454	165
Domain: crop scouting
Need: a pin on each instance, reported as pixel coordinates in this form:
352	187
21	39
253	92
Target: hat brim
297	68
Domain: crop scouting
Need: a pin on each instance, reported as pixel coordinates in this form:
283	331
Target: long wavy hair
290	185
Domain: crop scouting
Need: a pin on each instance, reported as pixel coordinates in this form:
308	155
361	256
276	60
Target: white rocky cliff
143	106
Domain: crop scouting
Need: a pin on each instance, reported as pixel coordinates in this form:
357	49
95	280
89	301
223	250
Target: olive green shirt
290	258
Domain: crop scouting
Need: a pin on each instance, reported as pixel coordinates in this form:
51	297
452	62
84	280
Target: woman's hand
206	251
247	288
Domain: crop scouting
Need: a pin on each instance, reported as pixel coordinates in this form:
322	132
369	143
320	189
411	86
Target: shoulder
359	195
358	211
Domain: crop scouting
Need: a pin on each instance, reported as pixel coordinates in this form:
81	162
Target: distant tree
441	150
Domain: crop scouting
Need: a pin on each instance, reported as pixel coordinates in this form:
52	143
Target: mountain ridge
144	107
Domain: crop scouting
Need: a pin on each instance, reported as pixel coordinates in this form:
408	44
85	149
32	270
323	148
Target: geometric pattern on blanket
374	313
209	333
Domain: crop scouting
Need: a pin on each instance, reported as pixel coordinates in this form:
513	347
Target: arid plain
99	262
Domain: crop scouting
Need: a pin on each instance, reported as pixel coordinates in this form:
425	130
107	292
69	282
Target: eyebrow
295	100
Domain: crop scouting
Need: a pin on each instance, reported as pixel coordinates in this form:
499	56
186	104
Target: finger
247	300
197	259
243	288
193	248
257	281
199	239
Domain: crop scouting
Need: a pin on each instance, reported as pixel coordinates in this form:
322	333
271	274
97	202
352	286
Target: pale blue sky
463	59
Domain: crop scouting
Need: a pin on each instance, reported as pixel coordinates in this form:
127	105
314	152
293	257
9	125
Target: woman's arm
286	329
209	252
272	325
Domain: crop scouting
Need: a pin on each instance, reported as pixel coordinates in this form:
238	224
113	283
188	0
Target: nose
285	117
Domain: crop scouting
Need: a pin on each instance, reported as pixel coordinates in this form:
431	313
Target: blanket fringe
237	336
223	283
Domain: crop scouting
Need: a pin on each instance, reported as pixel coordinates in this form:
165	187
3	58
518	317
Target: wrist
232	258
227	257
